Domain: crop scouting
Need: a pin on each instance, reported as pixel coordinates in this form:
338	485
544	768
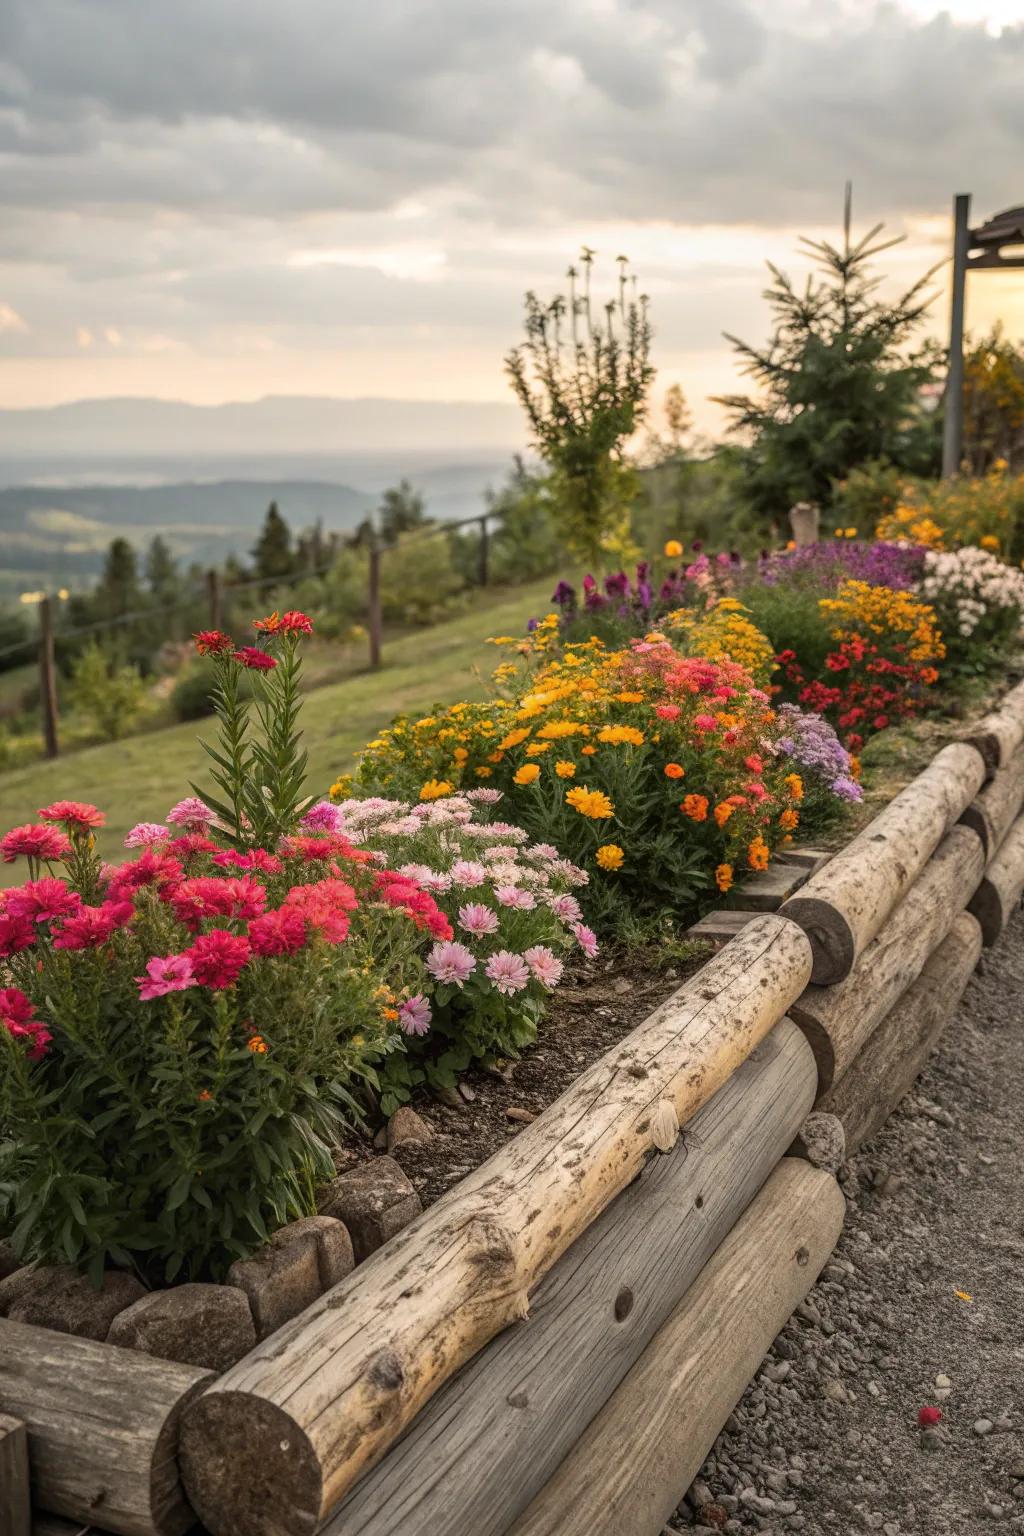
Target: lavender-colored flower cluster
812	743
636	598
898	566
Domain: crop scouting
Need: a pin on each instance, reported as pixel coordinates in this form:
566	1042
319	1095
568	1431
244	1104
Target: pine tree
401	510
273	551
840	381
118	591
161	571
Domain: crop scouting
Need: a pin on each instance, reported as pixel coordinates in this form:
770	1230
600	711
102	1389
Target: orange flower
257	1045
790	820
204	1096
696	807
795	785
674	771
722	812
588	751
757	853
723	877
565	769
529	773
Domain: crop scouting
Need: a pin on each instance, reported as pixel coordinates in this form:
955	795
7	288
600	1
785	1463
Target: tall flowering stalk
260	775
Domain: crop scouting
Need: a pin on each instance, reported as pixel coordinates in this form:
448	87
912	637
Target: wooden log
282	1436
843	906
1000	734
838	1020
998	805
896	1053
999	893
628	1471
493	1436
15	1500
102	1428
53	1525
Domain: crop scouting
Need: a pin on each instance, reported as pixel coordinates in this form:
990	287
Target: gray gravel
826	1440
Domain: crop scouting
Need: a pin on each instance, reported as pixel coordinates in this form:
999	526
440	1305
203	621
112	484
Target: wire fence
217	603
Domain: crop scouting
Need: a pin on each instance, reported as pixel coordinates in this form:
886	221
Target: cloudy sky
221	199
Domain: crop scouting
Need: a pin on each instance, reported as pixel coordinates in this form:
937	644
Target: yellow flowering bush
725	632
659	773
987	510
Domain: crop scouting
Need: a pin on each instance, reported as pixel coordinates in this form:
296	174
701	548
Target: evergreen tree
118	591
401	510
273	552
161	571
840	381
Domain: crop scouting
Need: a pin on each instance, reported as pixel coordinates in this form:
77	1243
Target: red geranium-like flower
217	896
929	1416
40	901
92	927
34	842
16	1018
295	623
278	933
213	642
16	934
218	959
74	813
256	660
254	858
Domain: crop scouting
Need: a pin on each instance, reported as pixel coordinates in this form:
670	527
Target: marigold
589	751
757	853
789	820
696	807
618	735
674	771
257	1045
590	802
723	877
610	856
529	773
435	789
673	549
722	812
794	786
565	769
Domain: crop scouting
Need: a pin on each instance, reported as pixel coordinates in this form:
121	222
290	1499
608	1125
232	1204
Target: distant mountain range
72	477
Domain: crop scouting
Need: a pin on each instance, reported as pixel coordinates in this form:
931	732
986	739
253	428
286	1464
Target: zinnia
92	927
674	771
278	933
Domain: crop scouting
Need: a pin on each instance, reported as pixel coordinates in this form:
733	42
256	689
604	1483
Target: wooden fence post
373	603
47	677
484	551
216	599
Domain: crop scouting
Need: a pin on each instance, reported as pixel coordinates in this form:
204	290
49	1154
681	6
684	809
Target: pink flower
468	872
451	962
255	858
16	934
92	927
324	906
34	842
586	938
323	817
477	919
74	813
165	973
191	813
256	660
668	711
705	723
145	833
414	1015
218	958
567	908
544	964
543	852
149	868
754	763
16	1018
485	796
508	972
40	901
512	896
278	933
217	896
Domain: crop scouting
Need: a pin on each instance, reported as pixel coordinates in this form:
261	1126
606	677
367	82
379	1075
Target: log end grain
987	906
833	944
248	1468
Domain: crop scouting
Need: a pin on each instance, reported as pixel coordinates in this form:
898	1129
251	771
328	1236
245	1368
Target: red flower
40	901
929	1416
256	660
74	813
16	1018
35	842
189	843
256	858
322	849
278	933
218	959
325	907
213	642
150	868
217	896
92	927
16	934
295	623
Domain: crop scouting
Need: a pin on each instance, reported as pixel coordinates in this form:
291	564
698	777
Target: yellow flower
723	877
435	789
483	773
590	802
565	769
616	735
538	748
514	738
529	773
630	698
850	533
341	789
610	856
989	541
556	729
673	549
722	812
795	785
461	755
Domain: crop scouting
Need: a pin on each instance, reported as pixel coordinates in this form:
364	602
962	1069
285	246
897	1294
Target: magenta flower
191	813
468	872
41	901
414	1015
145	833
34	842
92	927
705	723
586	938
477	919
512	896
323	817
451	962
508	972
544	964
165	973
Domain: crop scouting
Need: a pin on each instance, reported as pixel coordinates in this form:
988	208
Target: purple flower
450	962
847	789
323	817
564	595
508	972
414	1015
531	625
478	919
617	585
544	964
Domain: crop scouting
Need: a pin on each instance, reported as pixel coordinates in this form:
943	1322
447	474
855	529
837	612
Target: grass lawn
140	778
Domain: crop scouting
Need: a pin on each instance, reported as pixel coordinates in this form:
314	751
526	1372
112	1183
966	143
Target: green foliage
993	403
583	383
697	499
869	493
162	576
840	379
272	554
418	579
524	539
192	694
791	616
401	510
110	695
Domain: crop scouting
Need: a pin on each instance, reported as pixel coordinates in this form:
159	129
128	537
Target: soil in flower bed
599	1003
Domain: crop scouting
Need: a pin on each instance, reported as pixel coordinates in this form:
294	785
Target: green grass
139	779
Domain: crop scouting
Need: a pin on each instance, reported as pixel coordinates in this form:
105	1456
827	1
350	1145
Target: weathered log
999	735
102	1428
838	1020
625	1475
843	906
998	805
53	1525
493	1436
15	1500
998	894
282	1436
896	1053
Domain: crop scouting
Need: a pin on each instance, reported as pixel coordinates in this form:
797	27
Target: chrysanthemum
145	833
191	813
74	813
451	962
414	1015
545	965
165	973
34	842
508	972
478	919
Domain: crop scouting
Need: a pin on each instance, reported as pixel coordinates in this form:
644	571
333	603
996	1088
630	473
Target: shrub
510	907
946	514
979	602
111	696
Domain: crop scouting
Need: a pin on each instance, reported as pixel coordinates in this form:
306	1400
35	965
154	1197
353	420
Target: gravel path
921	1305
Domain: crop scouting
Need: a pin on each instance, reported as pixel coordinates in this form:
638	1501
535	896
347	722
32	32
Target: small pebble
983	1426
